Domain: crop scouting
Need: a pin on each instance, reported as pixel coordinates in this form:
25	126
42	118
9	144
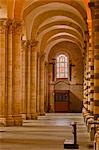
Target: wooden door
61	103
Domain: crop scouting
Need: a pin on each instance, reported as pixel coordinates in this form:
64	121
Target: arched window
62	66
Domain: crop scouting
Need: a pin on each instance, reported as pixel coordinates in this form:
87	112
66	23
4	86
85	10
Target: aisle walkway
46	133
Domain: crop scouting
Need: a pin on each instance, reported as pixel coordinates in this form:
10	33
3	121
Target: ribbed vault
57	21
51	22
48	20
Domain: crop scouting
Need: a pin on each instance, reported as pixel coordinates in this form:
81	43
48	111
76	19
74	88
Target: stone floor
46	133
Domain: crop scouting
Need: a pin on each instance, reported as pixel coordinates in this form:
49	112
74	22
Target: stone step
44	134
63	114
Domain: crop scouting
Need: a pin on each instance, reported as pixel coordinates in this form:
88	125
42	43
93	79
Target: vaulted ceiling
51	22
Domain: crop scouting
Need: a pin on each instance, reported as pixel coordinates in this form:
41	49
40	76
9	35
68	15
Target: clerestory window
62	66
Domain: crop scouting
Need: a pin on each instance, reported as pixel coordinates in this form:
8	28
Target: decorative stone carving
46	64
27	44
9	26
3	26
17	26
33	43
24	44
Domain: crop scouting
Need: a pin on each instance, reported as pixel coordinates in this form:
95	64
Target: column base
17	120
28	116
42	113
9	121
2	122
51	111
34	116
23	116
38	113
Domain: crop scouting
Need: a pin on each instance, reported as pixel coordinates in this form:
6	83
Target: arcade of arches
33	35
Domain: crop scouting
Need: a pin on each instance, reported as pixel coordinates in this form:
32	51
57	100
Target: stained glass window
62	66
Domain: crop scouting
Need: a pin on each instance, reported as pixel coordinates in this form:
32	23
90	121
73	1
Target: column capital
3	21
17	26
33	43
24	43
27	44
14	25
3	25
17	23
46	64
9	25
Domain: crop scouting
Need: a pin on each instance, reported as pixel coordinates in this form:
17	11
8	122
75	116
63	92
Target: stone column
51	97
85	100
87	83
87	71
51	88
3	88
9	119
91	59
96	59
46	86
38	84
33	90
17	77
23	85
42	83
50	72
91	75
84	89
28	77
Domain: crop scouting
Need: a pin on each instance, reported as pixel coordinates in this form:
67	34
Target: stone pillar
84	85
23	85
46	86
87	79
28	77
51	97
51	88
96	59
50	72
3	88
33	90
17	77
42	83
38	84
91	75
9	119
85	100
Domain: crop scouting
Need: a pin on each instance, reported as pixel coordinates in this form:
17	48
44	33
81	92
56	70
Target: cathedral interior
49	73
